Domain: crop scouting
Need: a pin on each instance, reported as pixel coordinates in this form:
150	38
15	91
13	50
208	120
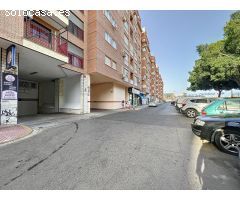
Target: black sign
130	90
9	86
11	57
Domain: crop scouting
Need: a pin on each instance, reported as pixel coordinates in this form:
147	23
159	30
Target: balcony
40	35
58	20
75	60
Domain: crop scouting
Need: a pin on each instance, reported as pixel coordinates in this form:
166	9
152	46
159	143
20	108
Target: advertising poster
9	112
9	86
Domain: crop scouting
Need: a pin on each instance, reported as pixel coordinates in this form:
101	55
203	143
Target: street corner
10	133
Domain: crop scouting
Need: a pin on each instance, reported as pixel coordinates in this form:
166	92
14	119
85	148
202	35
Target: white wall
70	95
119	95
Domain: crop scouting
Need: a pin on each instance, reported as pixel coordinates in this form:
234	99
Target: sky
173	37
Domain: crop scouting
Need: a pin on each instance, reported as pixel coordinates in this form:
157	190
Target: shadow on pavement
217	170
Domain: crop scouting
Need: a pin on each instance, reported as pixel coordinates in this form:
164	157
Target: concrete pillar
56	103
85	93
9	85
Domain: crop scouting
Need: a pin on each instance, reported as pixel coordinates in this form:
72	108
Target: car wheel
191	113
228	141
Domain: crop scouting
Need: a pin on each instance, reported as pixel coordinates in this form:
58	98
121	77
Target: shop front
134	97
144	98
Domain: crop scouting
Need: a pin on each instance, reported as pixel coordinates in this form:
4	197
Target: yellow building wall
107	96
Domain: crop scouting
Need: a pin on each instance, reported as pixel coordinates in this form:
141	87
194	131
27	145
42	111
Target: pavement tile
13	132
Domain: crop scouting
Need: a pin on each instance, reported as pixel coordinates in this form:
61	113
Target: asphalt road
152	148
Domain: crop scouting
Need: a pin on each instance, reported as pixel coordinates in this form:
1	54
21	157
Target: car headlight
199	122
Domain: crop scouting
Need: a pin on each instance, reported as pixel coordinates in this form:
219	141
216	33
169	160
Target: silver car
193	106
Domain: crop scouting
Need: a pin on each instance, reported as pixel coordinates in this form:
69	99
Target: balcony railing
39	34
75	60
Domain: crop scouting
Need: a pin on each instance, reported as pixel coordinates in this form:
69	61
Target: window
233	105
109	62
126	27
201	101
143	49
108	15
114	45
135	80
125	72
126	40
76	26
114	65
75	30
75	55
126	59
109	39
40	31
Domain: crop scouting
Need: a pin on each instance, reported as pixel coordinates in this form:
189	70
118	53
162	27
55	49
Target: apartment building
114	58
156	89
146	68
43	64
160	87
74	61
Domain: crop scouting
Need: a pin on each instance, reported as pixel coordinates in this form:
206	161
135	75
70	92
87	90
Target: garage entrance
37	97
39	82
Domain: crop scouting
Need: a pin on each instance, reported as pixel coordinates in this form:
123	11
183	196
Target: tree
232	34
212	70
232	46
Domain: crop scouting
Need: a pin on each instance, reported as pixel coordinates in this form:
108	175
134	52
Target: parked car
180	103
223	107
152	104
192	107
224	132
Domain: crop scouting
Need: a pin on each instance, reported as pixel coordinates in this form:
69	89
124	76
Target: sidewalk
13	132
39	122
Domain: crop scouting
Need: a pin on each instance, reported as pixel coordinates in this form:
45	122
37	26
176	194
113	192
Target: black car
224	132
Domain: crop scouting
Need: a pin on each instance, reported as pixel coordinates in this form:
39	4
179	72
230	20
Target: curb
28	132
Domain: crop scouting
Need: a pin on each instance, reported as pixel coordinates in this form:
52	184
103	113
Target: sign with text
9	86
11	57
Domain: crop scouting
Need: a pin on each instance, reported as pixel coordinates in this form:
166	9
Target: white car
193	106
152	104
180	103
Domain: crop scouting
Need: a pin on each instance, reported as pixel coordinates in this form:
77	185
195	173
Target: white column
9	81
85	93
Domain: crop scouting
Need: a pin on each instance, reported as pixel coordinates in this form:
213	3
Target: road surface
152	148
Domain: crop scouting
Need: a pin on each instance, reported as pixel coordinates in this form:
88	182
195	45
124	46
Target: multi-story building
71	61
114	58
156	89
153	79
146	67
47	54
161	87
